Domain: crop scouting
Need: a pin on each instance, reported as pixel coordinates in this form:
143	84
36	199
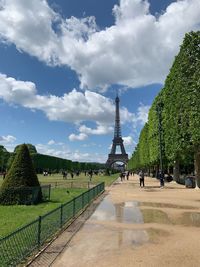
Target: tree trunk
149	171
197	167
176	174
157	171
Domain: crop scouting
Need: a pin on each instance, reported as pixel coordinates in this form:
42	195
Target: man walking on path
141	174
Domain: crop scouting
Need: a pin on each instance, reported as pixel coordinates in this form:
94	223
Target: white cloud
128	140
137	50
28	24
100	130
141	116
76	106
9	139
78	137
51	142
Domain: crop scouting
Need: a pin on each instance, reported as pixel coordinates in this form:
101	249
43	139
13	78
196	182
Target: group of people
77	173
160	176
125	175
46	173
65	174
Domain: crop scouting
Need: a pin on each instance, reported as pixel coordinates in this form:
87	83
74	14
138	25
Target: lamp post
159	113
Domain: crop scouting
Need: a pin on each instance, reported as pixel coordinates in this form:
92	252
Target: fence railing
15	247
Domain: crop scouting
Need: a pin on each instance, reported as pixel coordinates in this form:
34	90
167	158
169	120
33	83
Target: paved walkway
135	226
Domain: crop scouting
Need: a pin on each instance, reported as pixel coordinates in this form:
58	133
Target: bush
21	175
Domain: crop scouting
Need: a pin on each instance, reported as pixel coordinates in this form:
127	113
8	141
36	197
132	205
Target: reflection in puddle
116	237
165	205
190	219
155	234
155	216
125	212
132	237
159	216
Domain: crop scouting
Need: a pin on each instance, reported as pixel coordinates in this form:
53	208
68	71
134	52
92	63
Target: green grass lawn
13	217
79	179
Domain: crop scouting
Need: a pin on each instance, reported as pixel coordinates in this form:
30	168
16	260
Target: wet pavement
106	232
124	212
135	226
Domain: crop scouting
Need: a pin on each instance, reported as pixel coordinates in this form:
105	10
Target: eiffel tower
117	141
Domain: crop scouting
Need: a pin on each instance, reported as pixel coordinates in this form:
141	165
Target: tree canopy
180	111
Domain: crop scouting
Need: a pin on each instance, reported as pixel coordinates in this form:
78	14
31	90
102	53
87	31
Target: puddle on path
115	237
124	212
155	216
165	205
190	219
93	244
159	216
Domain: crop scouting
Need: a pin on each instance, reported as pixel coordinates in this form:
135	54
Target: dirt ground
135	226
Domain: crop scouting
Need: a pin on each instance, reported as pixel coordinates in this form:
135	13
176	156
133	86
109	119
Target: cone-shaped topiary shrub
21	185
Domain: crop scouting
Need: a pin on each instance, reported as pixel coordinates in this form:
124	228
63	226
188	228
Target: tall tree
182	103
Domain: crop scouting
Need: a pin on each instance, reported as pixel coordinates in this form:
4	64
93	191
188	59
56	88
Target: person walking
121	176
141	174
127	175
162	179
90	175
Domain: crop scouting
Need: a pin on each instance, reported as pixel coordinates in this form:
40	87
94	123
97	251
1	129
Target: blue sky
61	63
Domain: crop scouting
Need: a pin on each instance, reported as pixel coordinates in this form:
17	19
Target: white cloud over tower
137	50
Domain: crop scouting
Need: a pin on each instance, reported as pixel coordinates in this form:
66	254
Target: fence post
88	192
39	231
61	215
74	207
49	191
83	200
94	192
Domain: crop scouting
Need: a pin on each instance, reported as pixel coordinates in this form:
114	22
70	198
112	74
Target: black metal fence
15	247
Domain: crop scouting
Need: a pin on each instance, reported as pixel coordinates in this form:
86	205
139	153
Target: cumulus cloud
78	137
141	116
137	50
9	139
76	106
128	140
100	130
51	142
28	24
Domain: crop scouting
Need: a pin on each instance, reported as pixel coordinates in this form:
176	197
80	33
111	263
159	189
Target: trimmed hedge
21	175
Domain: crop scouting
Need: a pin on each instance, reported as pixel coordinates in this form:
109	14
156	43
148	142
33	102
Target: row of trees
45	162
179	106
